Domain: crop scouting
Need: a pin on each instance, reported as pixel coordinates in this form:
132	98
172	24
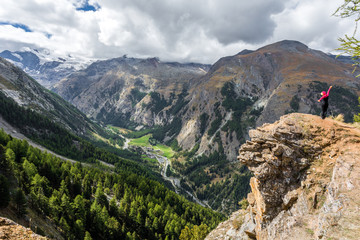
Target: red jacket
325	95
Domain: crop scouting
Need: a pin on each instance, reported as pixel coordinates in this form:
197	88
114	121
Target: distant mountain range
204	112
44	66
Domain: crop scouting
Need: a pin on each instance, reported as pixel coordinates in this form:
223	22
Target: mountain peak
287	45
245	51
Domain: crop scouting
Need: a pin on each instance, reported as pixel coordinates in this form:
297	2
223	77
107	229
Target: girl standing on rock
324	103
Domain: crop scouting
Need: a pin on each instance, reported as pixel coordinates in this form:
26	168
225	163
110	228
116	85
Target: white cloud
313	23
177	30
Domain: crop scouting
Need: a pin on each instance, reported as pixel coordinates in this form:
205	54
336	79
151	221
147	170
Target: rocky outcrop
13	231
306	182
277	156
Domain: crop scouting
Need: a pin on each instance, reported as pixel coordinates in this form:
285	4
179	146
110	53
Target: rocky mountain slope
305	184
44	66
122	89
242	92
25	91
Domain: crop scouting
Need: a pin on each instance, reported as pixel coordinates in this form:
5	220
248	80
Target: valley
163	155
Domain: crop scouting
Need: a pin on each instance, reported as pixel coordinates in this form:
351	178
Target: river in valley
164	163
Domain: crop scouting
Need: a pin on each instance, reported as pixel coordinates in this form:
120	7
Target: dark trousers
324	108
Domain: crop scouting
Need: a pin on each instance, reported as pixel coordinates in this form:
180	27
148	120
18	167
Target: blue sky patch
48	35
17	25
24	27
86	7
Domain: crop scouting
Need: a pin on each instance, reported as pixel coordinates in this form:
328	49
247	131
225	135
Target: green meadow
141	142
144	142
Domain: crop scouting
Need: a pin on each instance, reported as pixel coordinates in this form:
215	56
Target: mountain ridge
25	91
268	75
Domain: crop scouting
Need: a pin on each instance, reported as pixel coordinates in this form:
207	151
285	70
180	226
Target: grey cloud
174	30
13	45
248	22
227	21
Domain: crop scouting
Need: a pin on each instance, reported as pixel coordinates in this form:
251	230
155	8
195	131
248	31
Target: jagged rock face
276	155
305	185
13	231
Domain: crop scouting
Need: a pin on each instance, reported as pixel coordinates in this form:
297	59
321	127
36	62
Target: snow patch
17	56
67	62
202	70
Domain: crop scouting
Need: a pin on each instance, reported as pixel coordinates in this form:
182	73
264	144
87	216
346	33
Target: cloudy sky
173	30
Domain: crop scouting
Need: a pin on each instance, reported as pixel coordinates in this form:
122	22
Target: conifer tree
20	201
87	236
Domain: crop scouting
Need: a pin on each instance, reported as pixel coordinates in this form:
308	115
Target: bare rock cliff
306	182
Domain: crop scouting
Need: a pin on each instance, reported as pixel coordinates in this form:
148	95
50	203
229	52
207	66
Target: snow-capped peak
46	66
